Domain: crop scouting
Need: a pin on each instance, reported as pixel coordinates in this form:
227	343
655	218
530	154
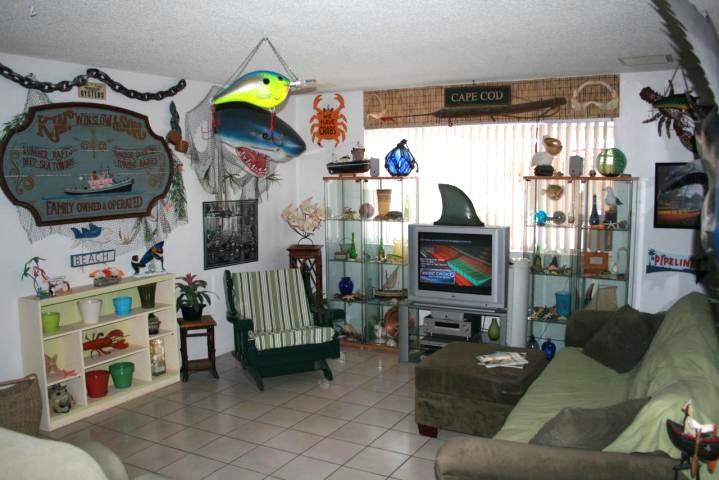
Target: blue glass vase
549	349
400	161
346	286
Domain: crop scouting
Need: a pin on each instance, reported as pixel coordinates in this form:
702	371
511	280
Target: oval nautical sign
71	162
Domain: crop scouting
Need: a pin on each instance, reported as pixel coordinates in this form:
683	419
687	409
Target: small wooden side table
311	256
206	323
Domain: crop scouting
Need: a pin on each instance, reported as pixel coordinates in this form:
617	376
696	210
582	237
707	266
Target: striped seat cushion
293	338
274	300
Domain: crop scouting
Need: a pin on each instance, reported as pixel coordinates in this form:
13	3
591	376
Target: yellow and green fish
262	88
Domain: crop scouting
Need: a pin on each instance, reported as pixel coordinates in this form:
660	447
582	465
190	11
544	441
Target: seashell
552	145
554	191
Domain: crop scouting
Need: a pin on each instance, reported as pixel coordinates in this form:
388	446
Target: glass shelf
580	247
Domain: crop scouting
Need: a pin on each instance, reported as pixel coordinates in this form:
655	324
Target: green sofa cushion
648	433
589	428
685	344
293	338
681	363
621	342
572	379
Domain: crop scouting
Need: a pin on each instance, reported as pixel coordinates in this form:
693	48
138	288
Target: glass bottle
494	330
380	251
594	217
407	209
549	348
353	248
157	356
537	263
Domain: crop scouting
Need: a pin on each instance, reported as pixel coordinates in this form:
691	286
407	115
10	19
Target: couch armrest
582	325
484	459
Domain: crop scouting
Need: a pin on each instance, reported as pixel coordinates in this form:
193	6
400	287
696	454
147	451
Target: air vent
646	60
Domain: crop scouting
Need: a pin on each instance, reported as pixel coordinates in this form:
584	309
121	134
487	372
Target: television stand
450	323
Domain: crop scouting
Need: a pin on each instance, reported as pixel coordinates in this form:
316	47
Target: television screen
454	262
458	266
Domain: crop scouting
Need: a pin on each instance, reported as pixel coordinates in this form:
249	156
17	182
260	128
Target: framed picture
229	232
679	207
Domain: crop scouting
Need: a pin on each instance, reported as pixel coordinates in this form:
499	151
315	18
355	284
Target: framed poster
80	162
229	232
679	207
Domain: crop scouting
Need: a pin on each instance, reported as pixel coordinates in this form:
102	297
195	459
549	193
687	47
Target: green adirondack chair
276	331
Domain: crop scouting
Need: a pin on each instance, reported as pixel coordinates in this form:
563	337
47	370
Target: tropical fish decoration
263	88
696	43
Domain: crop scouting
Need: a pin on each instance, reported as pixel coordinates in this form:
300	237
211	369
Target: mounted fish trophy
457	208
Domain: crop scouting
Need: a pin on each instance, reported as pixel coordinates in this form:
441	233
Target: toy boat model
708	443
347	166
101	182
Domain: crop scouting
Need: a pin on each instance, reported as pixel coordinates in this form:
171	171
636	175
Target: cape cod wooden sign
72	162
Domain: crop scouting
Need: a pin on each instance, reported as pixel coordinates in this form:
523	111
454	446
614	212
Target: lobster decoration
99	342
328	123
677	111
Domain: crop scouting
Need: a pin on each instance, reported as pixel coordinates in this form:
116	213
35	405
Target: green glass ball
611	162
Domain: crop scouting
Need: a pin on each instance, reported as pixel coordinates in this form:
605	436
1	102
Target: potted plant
193	296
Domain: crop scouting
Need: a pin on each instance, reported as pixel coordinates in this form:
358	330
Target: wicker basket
20	405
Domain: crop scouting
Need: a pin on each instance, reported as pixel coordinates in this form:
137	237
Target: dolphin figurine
91	231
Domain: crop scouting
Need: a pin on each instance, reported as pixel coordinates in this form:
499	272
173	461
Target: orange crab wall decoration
328	123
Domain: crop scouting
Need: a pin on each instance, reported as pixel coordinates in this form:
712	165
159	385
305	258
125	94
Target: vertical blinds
488	162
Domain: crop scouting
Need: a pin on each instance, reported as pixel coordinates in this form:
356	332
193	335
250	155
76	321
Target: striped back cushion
275	300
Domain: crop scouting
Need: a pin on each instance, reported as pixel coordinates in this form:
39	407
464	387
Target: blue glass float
541	217
549	349
399	162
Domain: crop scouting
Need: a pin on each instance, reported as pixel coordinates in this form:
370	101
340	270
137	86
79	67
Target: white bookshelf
67	342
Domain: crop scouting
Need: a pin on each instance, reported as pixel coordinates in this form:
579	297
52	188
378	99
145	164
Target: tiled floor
358	427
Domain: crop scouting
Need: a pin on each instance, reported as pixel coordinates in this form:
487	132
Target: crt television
459	266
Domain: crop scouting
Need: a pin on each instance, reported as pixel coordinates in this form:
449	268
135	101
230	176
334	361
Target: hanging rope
29	82
241	68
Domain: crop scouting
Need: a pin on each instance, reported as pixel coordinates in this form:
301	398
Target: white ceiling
349	44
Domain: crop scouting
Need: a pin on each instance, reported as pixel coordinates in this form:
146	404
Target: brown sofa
680	362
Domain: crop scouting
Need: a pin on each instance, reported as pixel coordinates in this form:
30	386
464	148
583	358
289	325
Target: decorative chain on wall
80	80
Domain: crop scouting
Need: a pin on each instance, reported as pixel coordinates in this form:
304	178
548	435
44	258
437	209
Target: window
488	162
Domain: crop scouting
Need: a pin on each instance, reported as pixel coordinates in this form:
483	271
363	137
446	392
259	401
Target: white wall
183	248
300	179
644	148
312	165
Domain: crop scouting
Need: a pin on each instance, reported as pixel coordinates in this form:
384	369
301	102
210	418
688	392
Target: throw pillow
621	342
588	428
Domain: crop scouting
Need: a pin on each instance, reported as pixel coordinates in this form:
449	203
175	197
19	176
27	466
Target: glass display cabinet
366	252
578	237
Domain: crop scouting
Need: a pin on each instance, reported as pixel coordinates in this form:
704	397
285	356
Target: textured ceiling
348	44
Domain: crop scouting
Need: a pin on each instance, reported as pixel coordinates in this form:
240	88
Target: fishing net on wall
216	165
125	234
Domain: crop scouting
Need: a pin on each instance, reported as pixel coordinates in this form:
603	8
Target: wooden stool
206	323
